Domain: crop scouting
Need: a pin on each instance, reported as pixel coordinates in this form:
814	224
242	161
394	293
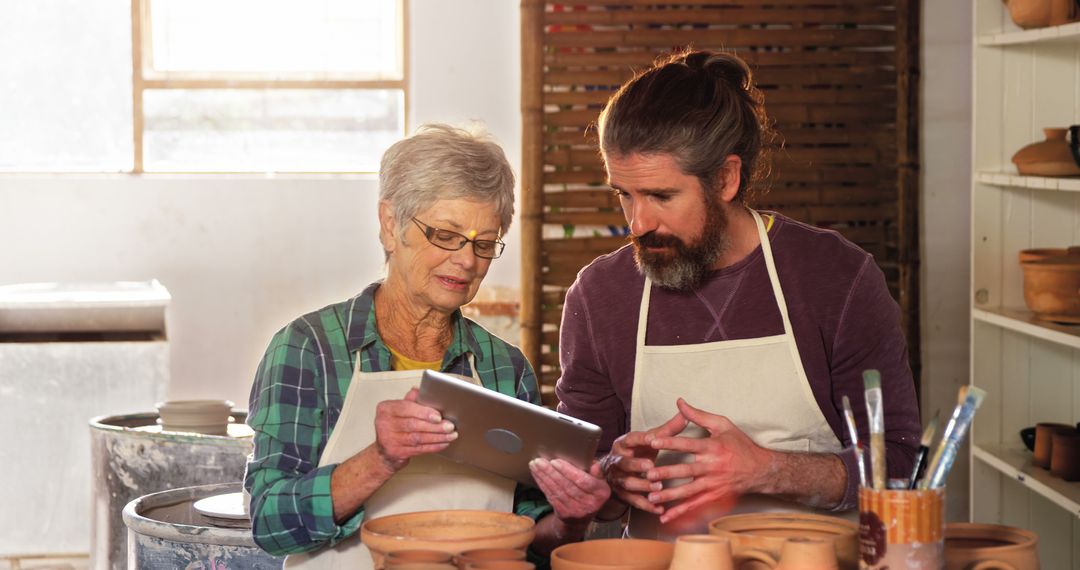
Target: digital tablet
502	434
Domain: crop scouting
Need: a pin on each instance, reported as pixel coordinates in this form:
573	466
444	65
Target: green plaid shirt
297	397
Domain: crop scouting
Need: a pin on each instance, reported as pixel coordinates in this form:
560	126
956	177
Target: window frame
144	78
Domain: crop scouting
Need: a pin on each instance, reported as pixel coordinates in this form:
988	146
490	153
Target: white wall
243	255
945	237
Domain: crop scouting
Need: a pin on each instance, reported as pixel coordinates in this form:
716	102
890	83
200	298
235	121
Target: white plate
226	506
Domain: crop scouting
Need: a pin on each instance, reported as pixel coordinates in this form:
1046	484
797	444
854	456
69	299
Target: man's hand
726	465
405	429
575	495
632	455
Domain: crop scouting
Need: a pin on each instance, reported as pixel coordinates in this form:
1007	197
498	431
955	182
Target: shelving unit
1024	81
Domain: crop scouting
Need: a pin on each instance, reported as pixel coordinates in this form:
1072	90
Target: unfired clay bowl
767	532
209	417
448	531
612	554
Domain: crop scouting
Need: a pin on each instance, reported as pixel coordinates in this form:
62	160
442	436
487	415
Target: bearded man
716	349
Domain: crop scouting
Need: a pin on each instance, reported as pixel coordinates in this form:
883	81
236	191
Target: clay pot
696	551
1065	455
487	555
1041	13
413	556
499	565
767	532
1040	253
1050	157
973	545
419	566
613	553
1044	442
1052	288
449	531
210	417
807	554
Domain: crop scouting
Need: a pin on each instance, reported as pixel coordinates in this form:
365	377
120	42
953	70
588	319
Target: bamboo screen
839	78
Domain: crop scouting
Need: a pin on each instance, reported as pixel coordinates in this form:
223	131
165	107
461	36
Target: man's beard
684	267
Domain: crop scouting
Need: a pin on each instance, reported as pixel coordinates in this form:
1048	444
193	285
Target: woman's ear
388	230
730	178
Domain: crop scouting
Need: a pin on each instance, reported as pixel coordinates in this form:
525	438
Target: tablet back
502	434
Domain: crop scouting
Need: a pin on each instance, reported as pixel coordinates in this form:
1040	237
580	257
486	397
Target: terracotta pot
412	556
973	545
613	553
210	417
1052	288
1041	13
419	566
1040	253
767	532
1044	432
448	531
807	554
487	555
1065	455
696	551
500	565
1050	157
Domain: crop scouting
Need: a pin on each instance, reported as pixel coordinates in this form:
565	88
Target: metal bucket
165	531
130	457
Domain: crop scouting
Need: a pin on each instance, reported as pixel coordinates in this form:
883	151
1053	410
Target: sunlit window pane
65	85
290	130
278	36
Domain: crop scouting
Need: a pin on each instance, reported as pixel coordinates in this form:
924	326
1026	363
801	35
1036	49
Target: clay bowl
1052	288
613	553
767	532
1027	435
967	544
449	531
209	417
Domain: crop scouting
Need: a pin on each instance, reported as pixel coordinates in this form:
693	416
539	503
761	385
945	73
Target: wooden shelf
1022	321
1015	462
1014	180
1065	33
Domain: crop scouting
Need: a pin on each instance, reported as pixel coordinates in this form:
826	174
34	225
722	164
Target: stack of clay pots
1057	448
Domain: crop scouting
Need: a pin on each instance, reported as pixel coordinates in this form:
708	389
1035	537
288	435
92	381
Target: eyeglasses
453	241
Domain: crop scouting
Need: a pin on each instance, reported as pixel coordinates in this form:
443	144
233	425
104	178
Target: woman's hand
575	495
405	429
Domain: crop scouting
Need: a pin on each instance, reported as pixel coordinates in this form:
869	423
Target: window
201	85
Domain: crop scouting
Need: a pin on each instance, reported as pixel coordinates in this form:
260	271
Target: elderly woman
339	436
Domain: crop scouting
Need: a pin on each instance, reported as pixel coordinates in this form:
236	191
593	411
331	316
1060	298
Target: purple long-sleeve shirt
843	318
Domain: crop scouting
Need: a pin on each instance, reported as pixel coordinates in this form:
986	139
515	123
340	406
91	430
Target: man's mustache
653	239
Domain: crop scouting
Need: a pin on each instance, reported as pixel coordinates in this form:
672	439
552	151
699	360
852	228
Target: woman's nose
465	257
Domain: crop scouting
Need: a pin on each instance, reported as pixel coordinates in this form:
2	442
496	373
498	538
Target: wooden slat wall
840	80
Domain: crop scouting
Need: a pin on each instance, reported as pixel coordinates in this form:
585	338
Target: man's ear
730	177
388	230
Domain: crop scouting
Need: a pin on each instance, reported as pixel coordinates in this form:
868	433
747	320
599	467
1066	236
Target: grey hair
441	162
698	106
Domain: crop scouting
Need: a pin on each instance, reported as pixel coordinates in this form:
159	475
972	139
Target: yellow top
399	361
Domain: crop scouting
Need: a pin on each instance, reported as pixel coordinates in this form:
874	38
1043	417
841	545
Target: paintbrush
875	411
849	419
924	447
946	452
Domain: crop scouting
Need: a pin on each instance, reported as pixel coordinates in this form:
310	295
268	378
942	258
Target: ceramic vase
767	533
1049	157
974	545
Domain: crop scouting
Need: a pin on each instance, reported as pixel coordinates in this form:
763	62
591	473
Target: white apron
758	383
428	482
